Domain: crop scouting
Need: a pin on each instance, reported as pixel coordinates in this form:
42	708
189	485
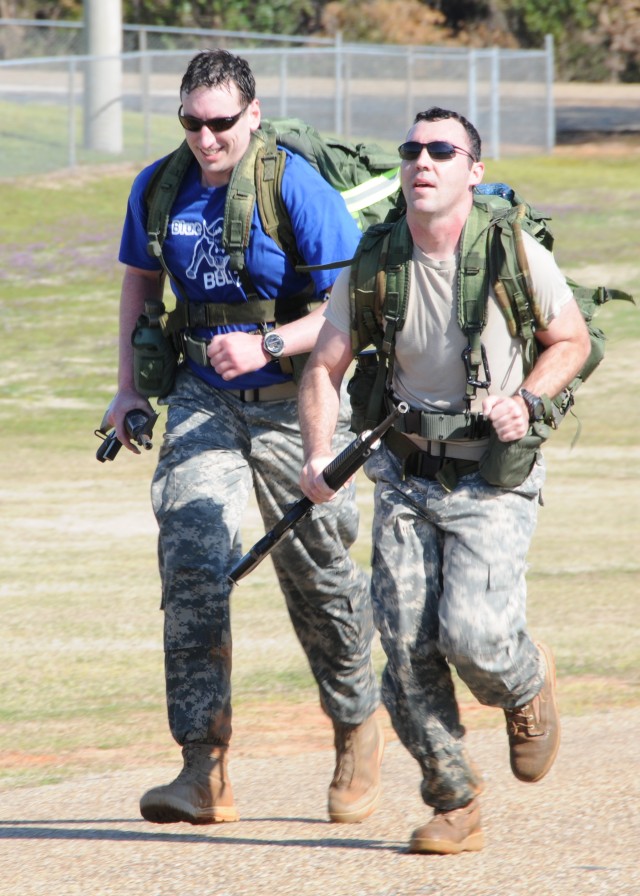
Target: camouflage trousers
449	589
215	449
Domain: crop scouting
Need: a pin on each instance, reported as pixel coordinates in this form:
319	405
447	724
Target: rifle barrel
335	474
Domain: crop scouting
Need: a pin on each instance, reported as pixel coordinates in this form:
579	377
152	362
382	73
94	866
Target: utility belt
436	428
440	427
277	392
160	338
194	315
503	464
439	467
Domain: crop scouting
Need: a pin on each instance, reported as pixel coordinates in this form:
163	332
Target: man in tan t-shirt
448	582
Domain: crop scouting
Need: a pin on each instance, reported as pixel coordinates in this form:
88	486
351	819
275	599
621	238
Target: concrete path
577	833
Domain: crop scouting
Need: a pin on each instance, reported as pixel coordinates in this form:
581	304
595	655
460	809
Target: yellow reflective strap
372	190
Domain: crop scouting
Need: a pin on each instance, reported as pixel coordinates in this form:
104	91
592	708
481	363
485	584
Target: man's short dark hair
218	68
435	113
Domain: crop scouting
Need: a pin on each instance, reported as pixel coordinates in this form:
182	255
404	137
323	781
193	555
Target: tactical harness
257	178
492	255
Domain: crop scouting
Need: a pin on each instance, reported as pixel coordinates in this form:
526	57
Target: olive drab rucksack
367	177
491	254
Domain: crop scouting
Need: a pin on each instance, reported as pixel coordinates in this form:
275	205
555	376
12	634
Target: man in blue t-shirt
232	424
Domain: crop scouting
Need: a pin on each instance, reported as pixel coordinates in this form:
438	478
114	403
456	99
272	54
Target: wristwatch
535	405
273	344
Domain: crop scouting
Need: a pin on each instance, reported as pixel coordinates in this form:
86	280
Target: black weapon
139	426
335	475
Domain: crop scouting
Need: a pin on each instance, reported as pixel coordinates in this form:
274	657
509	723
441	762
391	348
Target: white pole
103	84
551	112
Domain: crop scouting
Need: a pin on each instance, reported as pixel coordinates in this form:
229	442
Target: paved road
578	119
574	834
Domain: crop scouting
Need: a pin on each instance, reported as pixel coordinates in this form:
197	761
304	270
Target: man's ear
476	173
254	114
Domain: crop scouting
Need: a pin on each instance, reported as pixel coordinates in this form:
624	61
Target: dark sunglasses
439	150
215	125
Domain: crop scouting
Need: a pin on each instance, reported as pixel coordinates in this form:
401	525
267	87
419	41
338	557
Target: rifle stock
335	474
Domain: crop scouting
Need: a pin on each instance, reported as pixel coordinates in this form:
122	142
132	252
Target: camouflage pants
449	589
215	449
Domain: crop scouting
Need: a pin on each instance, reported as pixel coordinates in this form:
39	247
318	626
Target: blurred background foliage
595	41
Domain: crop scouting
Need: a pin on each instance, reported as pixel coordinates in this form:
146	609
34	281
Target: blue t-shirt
323	228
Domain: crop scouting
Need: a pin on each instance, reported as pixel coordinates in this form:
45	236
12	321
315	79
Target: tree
595	40
619	32
386	21
572	24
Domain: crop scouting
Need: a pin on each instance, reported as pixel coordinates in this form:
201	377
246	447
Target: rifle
139	426
335	475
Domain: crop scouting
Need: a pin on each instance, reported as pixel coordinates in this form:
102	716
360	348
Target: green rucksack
491	254
366	175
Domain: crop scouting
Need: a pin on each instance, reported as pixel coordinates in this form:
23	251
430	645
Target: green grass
81	655
47	146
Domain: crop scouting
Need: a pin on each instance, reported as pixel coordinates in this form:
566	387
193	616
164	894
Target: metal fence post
338	121
71	124
145	90
495	102
472	87
551	112
284	73
409	91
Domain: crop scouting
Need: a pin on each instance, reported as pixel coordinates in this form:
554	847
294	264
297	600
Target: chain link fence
357	91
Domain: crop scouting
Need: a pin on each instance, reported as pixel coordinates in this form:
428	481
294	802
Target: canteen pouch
507	464
155	359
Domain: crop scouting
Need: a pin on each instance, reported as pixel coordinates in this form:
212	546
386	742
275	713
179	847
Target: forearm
555	367
301	335
318	409
566	348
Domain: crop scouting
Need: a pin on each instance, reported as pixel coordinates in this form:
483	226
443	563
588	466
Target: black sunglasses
215	125
439	150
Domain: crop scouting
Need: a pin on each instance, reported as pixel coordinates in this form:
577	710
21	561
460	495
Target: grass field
81	662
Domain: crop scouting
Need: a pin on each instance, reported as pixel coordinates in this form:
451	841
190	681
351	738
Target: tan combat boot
201	794
534	729
449	833
355	789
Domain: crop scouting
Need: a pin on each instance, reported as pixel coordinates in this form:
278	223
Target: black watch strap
535	405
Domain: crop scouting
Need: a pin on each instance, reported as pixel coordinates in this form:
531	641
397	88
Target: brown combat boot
201	794
534	729
449	833
355	789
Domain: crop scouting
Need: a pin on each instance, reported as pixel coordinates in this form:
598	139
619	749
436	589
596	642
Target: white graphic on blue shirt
208	250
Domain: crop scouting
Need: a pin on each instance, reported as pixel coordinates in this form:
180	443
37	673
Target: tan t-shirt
429	372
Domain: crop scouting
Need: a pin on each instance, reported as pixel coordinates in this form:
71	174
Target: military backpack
492	255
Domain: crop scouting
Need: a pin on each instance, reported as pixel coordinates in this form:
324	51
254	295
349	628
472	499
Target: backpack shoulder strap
473	290
492	254
378	293
257	178
379	285
161	193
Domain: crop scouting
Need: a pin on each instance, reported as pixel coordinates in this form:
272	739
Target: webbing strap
437	427
216	314
239	205
473	289
161	193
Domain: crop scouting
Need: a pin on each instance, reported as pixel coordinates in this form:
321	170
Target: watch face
273	344
535	405
538	409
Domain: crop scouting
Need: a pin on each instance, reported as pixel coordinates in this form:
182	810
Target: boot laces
523	719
